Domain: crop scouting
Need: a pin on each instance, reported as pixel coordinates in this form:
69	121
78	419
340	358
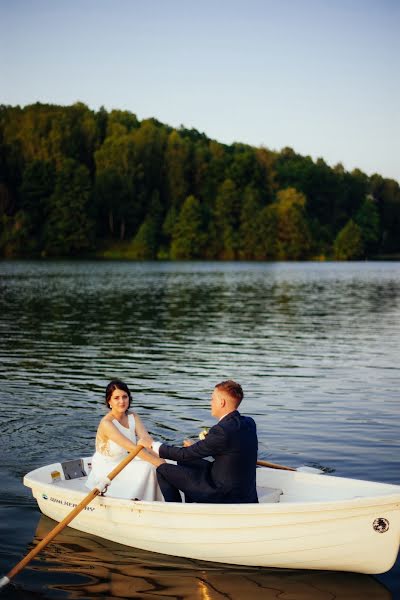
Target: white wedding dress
138	480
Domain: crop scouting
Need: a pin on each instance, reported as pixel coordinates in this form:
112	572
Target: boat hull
341	534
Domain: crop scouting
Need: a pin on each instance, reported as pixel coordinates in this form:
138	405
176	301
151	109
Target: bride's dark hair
117	384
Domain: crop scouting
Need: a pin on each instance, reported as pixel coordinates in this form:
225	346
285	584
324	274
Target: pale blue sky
321	76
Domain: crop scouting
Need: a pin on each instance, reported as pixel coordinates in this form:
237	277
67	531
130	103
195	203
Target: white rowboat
303	521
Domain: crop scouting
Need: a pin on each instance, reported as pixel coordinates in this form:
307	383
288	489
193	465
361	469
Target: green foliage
293	234
120	122
226	221
267	234
144	245
74	181
367	218
15	238
68	230
187	237
37	185
176	161
332	194
168	228
386	194
147	240
249	234
118	186
6	200
348	244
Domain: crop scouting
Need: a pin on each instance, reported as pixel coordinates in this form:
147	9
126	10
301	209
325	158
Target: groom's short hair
233	389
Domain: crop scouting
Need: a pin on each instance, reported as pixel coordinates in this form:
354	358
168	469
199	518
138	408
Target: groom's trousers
191	477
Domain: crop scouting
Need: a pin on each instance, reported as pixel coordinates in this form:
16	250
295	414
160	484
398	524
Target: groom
232	442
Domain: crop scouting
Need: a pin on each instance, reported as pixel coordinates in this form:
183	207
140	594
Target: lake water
315	346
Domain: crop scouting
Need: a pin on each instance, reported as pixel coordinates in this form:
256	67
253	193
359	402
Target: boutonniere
203	433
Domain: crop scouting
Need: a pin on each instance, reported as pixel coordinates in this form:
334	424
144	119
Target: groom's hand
187	443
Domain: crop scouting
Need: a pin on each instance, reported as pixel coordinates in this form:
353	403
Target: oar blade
305	469
60	526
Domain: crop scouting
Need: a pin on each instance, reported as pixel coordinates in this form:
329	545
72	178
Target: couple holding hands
161	472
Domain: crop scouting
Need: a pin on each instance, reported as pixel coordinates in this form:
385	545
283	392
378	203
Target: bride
116	436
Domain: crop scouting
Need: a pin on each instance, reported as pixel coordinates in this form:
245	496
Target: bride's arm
108	430
141	431
142	434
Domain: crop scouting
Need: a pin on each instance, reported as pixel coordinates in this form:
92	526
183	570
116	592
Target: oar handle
62	524
264	463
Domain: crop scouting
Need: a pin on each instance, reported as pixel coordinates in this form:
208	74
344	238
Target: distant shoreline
116	257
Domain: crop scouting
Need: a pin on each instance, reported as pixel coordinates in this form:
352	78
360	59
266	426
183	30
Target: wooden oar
62	524
304	469
264	463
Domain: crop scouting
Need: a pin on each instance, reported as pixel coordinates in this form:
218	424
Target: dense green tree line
75	182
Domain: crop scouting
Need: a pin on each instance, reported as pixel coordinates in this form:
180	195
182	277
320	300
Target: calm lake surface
316	348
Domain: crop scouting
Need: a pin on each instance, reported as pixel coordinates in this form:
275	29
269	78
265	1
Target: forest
81	183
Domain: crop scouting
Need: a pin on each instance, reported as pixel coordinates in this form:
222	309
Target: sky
319	76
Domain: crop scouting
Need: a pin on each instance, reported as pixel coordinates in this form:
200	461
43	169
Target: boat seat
267	494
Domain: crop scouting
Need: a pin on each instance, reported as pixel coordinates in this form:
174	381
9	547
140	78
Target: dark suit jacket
231	477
